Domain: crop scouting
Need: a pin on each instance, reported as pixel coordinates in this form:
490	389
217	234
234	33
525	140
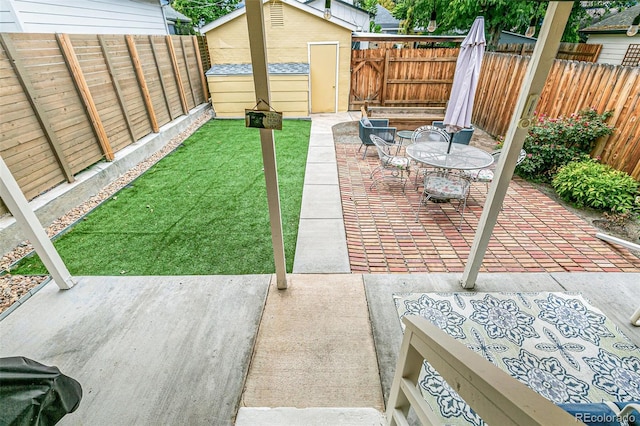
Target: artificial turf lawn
202	210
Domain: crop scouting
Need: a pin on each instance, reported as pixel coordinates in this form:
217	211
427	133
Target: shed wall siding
229	43
89	16
231	95
614	47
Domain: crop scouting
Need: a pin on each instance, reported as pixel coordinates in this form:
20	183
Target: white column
540	64
19	207
258	46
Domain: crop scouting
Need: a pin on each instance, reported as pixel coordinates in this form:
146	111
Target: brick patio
533	233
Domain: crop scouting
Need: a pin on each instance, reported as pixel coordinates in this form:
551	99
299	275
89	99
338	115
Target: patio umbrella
465	80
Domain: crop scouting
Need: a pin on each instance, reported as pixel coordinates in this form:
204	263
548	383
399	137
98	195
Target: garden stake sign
263	119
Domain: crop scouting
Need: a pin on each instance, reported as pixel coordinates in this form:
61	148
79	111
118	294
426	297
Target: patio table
462	157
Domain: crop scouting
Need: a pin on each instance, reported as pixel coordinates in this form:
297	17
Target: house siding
348	14
614	47
229	43
232	94
8	20
85	17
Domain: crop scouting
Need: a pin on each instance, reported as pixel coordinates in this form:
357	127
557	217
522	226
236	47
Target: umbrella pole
450	142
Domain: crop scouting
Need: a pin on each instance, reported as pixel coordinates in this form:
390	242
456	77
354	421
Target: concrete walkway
322	242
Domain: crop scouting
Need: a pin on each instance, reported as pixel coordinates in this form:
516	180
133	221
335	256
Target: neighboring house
611	32
345	11
82	17
309	57
507	37
388	24
176	21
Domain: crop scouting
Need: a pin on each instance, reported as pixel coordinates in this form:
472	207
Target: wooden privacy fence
68	101
570	87
402	77
422	77
570	51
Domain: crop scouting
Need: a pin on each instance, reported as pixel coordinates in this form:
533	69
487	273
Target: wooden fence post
164	88
176	74
385	76
146	96
85	94
116	86
40	113
201	70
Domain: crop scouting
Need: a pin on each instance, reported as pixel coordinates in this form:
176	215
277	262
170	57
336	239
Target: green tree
204	11
499	15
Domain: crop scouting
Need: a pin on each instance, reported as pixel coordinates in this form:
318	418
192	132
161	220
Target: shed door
323	67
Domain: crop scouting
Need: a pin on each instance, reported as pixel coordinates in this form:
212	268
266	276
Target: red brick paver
533	233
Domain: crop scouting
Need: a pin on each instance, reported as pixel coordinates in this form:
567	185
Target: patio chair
445	186
486	175
377	127
463	136
391	166
427	133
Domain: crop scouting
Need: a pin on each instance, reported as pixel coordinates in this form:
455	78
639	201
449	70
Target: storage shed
309	61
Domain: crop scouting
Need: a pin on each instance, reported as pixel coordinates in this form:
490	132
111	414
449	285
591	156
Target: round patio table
463	157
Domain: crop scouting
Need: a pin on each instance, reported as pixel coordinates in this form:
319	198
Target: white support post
19	207
258	47
540	64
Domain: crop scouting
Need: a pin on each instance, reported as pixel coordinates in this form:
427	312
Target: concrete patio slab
321	154
321	202
385	323
321	174
310	417
146	350
314	347
321	247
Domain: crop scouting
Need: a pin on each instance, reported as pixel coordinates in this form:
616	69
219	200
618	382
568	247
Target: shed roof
245	69
616	23
293	3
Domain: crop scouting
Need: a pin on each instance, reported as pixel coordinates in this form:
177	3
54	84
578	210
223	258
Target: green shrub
554	142
591	184
543	160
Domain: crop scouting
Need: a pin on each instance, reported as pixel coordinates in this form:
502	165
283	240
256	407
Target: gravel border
15	288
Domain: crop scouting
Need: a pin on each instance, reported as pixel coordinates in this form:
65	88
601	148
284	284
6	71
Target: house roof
173	15
242	69
293	3
385	19
616	23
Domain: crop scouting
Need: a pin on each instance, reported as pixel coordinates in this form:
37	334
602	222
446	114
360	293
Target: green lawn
200	210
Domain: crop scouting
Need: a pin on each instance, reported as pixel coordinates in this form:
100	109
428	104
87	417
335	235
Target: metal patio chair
427	133
391	166
445	186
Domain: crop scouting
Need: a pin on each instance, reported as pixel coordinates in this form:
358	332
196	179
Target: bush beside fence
570	87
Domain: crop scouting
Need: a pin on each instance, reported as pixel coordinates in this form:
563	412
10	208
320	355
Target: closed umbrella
465	80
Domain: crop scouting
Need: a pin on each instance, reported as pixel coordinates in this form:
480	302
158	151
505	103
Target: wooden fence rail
570	87
68	101
570	51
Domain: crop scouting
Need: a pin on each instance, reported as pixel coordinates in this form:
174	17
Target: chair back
383	148
429	133
496	156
